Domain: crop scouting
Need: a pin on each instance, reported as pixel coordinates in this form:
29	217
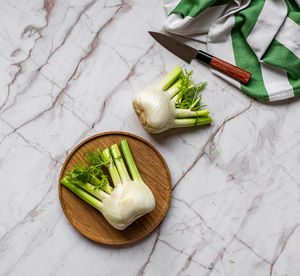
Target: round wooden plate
155	173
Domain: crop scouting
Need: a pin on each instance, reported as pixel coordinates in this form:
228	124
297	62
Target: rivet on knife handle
225	67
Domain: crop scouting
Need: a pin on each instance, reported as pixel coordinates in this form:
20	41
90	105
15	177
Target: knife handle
225	67
230	70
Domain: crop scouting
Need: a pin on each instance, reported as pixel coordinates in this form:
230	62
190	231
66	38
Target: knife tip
153	33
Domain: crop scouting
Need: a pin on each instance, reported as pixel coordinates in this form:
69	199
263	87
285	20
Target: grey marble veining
68	70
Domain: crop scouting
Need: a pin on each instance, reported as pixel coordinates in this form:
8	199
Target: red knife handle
230	70
224	67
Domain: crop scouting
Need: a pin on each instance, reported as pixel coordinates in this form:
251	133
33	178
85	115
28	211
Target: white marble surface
68	70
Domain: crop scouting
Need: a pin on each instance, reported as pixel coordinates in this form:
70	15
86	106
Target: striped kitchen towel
260	36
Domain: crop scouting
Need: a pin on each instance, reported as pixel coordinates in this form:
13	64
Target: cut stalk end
170	78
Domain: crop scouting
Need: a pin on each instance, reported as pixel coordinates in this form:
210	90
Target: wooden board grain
155	173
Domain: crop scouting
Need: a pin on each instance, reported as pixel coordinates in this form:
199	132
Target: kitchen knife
187	53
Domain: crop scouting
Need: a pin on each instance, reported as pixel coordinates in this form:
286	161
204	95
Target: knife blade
187	53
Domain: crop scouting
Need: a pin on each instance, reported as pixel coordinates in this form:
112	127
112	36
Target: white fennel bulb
130	199
126	203
154	109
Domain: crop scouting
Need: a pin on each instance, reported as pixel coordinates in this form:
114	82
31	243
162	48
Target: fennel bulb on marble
173	102
121	205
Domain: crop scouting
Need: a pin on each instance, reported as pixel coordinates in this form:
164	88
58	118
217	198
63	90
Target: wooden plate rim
105	134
